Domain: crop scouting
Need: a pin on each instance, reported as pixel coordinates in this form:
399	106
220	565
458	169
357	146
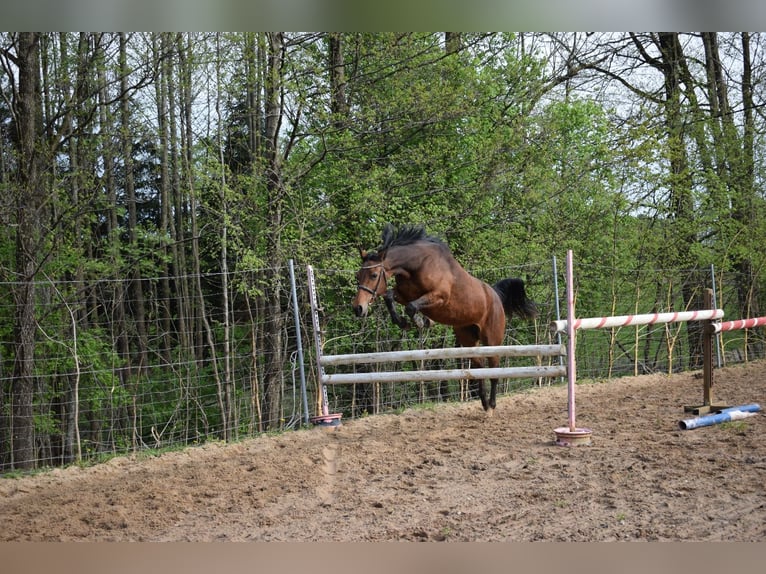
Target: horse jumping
433	286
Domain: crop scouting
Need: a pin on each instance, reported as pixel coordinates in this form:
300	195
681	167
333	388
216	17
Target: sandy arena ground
447	473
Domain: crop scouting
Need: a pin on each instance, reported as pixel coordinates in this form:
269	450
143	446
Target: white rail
448	353
445	374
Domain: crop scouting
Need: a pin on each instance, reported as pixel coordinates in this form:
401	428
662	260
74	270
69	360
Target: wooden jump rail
444	374
446	353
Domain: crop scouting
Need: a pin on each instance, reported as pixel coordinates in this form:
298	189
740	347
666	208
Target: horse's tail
514	298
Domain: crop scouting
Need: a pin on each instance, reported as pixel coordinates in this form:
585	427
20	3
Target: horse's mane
406	235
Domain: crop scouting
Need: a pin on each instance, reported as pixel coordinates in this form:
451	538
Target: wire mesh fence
110	380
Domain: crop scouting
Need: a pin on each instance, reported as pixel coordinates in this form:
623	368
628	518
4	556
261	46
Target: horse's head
370	282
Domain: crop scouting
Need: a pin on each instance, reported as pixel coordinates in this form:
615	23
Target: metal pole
299	343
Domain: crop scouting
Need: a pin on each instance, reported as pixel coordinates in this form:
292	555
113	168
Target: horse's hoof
490	412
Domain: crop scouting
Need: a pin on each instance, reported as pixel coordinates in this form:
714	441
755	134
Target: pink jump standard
571	435
326	418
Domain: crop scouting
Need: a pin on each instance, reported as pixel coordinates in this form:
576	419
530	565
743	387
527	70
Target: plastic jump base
332	420
704	409
567	437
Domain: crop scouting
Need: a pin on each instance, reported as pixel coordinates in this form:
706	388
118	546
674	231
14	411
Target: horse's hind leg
477	363
468	337
488	404
492	397
492	362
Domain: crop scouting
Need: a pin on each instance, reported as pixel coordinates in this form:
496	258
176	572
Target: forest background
154	186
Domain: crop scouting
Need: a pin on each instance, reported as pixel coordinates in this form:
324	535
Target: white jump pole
632	320
739	324
571	435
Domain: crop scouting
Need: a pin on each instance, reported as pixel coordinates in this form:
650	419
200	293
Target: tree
734	154
32	152
273	108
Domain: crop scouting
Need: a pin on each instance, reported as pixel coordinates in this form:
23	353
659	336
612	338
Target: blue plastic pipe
725	415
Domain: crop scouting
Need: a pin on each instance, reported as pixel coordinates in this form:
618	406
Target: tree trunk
31	147
338	102
272	384
453	42
161	50
117	324
680	182
748	287
735	155
135	285
226	395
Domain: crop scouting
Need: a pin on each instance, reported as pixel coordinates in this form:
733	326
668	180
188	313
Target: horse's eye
373	275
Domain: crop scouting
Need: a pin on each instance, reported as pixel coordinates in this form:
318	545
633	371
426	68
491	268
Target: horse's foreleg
397	319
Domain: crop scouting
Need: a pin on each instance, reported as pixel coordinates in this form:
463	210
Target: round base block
567	437
330	421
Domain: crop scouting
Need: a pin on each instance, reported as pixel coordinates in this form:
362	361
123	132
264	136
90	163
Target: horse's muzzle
360	310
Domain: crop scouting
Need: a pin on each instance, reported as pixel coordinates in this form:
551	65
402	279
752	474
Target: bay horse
433	286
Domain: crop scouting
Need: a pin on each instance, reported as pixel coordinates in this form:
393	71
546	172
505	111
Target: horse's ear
363	253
